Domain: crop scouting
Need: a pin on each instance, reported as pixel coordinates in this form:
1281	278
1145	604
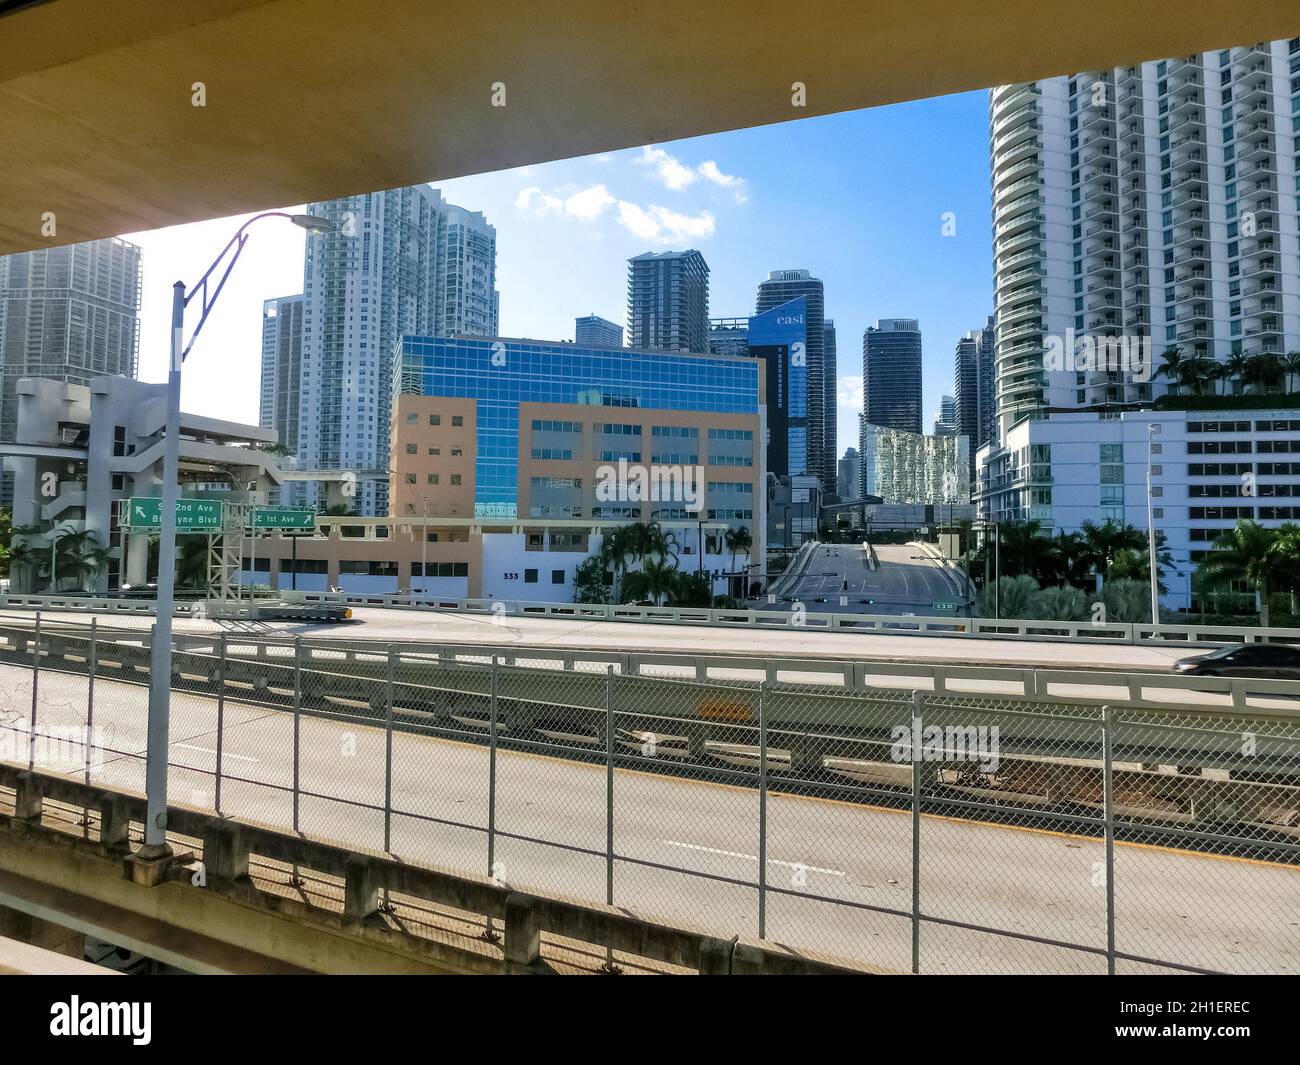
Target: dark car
1269	661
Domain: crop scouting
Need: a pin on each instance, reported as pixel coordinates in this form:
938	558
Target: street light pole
160	650
1152	429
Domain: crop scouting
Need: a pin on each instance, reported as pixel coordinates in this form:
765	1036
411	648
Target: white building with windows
1142	211
401	261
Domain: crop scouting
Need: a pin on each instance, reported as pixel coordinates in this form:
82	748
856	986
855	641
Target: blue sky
858	198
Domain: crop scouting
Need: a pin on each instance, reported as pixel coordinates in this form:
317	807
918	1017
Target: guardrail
737	617
1010	628
568	778
1132	687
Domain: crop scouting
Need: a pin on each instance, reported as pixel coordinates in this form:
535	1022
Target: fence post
918	703
92	659
762	810
297	724
36	676
492	775
609	785
388	754
221	715
1108	804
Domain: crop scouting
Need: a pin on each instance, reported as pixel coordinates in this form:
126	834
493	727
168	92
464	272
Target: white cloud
668	168
848	392
710	172
534	201
637	219
677	175
665	226
649	222
589	203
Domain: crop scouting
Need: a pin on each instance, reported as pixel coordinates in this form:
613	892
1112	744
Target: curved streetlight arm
200	287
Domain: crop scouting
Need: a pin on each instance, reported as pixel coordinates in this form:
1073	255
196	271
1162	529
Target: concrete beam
303	100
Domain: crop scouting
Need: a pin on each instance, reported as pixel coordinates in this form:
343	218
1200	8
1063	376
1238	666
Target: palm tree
1245	553
655	580
1216	372
1234	368
1073	558
739	540
1262	371
1025	549
1172	366
1290	368
79	556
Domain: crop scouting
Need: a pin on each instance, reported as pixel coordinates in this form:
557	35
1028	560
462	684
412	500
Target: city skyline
900	216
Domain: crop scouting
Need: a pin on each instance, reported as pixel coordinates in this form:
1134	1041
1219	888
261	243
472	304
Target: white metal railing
741	617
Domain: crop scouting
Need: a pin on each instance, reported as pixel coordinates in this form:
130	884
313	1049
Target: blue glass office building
780	338
499	374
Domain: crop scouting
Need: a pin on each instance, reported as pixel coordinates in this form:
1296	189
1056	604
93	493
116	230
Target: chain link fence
926	832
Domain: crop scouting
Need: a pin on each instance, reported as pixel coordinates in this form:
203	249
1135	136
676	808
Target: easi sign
192	515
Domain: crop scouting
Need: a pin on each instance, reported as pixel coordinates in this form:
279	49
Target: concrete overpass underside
311	99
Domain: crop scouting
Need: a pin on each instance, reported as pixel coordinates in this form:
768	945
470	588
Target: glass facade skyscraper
891	374
498	375
780	287
780	337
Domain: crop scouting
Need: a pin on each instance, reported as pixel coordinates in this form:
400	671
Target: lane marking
752	857
224	754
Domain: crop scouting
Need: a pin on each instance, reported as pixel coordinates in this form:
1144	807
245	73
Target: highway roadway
907	582
1195	909
794	641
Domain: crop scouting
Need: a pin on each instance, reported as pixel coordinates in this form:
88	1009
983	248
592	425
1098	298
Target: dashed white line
751	857
224	754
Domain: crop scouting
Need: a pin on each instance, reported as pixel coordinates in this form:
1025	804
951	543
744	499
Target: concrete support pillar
114	827
361	888
523	944
14	924
28	799
137	559
225	852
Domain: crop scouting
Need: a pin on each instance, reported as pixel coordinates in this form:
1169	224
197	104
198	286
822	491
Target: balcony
1005	173
1018	205
1036	254
1018	241
1026	133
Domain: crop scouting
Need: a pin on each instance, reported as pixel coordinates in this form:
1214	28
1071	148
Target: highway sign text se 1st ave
291	518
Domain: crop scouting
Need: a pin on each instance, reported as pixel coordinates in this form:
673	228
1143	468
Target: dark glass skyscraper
668	302
891	374
973	375
830	393
780	288
780	337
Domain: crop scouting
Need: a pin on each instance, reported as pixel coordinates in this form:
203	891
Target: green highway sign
292	519
192	515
